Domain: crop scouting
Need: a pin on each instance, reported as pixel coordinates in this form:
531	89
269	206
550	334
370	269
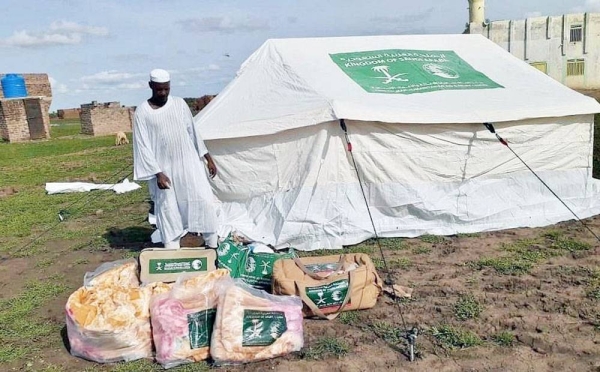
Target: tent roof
291	83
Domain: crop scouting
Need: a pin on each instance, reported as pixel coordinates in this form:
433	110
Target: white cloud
112	77
57	87
73	27
25	39
59	33
136	85
214	67
224	24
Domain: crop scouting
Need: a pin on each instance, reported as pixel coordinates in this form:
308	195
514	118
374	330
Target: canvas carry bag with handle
329	285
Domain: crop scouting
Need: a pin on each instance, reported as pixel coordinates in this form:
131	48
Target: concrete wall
15	121
547	39
100	119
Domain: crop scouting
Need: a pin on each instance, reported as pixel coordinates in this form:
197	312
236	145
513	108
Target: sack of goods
250	261
182	319
252	325
329	285
109	320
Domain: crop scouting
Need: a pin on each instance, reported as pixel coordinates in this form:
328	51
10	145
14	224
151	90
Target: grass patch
504	339
388	332
455	338
468	235
421	250
327	347
64	128
503	265
17	325
393	264
349	317
593	293
467	307
45	262
432	239
571	245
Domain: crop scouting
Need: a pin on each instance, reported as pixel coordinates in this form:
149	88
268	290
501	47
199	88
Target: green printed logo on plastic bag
328	295
230	256
258	268
262	328
255	269
177	265
200	327
403	71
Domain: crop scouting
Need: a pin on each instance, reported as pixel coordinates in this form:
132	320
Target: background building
565	47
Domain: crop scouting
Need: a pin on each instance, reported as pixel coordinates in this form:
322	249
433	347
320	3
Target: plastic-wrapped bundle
108	324
182	319
122	273
253	325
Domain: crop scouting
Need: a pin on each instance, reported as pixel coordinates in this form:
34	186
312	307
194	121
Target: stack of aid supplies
179	308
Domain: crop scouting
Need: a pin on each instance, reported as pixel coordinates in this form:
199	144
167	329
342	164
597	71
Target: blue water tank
13	86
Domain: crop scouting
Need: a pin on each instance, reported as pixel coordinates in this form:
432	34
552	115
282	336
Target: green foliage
504	338
467	307
388	332
432	239
349	317
327	347
504	265
455	338
17	324
421	250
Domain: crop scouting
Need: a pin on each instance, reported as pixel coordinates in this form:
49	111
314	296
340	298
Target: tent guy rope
410	334
490	127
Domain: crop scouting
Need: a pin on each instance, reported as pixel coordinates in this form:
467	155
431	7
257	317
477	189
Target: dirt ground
549	316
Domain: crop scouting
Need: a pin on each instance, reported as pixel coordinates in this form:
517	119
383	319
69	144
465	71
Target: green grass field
55	261
26	167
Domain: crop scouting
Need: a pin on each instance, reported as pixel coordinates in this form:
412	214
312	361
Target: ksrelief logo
223	249
196	264
250	265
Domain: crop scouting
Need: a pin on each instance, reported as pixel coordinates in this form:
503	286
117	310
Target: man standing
169	153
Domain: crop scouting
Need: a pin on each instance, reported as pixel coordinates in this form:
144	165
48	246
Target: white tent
414	107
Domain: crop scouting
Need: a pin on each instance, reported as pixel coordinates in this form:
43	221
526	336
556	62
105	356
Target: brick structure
27	118
24	119
68	113
38	85
101	119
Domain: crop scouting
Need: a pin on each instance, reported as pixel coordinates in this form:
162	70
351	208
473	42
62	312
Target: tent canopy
293	83
414	107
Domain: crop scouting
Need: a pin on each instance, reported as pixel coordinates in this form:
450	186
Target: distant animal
121	139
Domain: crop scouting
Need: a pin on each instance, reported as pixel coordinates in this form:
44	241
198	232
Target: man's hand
163	181
210	164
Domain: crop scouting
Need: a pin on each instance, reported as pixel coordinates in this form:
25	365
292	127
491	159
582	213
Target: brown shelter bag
329	285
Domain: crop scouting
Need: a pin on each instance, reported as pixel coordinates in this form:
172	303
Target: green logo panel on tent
403	71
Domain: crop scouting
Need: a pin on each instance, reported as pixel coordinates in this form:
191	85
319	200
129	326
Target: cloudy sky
102	50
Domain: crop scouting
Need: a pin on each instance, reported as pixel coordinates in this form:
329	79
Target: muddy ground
530	297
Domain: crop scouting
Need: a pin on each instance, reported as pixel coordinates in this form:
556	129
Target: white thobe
166	140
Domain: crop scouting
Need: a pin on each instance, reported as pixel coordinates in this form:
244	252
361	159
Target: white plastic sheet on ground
68	187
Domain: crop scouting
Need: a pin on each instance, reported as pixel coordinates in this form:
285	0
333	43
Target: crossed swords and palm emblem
388	78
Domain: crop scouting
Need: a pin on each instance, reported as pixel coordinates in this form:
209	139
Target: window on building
542	66
576	33
575	67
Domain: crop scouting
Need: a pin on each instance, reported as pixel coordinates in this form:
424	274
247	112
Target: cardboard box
165	265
